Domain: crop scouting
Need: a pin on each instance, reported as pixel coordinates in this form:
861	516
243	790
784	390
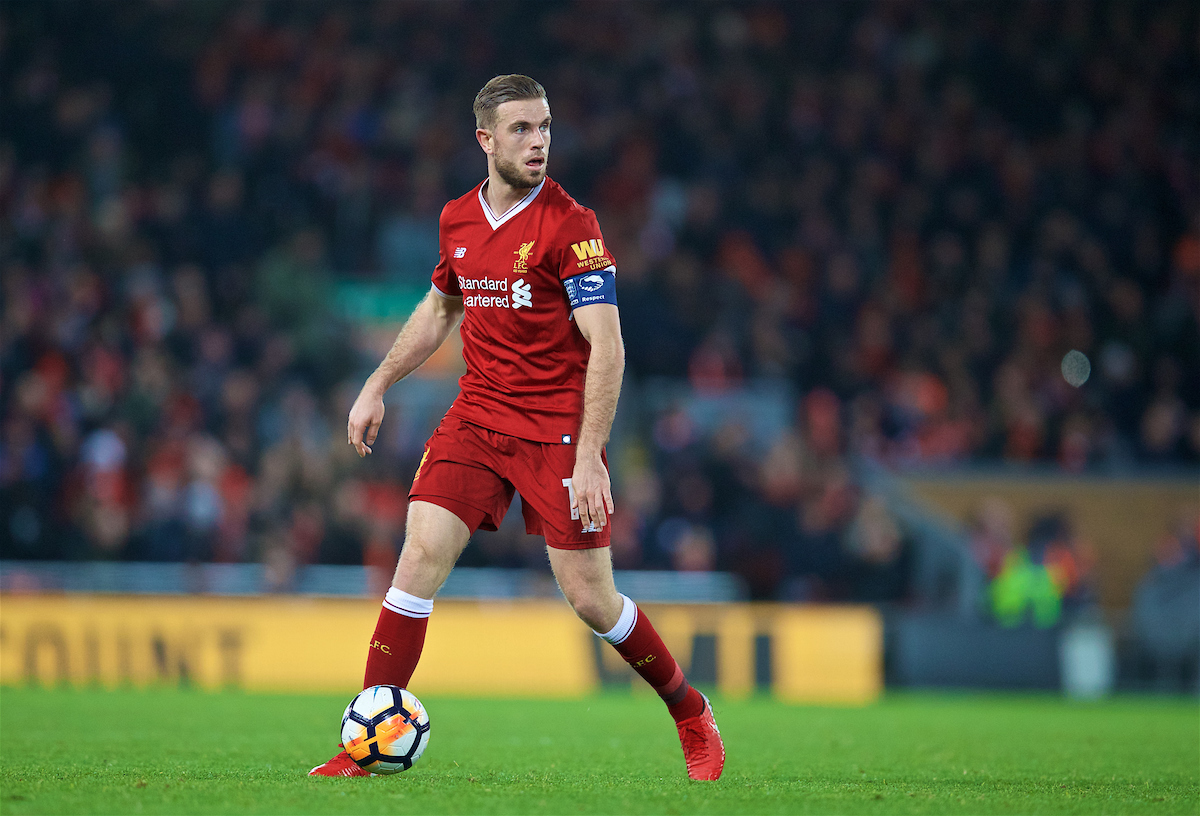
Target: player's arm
423	333
600	324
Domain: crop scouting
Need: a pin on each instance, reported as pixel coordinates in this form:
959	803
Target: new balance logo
460	251
588	249
521	295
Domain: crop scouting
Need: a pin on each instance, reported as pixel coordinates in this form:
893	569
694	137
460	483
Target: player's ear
485	140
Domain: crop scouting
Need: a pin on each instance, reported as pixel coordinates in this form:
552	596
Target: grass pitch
169	751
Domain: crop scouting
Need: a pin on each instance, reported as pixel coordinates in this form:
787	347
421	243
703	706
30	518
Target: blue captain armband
592	287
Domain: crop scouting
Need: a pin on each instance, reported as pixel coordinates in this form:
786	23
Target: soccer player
525	268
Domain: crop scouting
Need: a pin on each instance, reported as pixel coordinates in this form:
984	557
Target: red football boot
702	746
340	765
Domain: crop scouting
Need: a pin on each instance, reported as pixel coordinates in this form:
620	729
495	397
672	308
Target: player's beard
517	175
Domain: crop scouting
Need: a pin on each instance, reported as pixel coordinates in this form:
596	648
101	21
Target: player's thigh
433	541
459	471
543	479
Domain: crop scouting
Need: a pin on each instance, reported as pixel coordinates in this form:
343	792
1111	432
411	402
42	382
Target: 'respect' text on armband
592	287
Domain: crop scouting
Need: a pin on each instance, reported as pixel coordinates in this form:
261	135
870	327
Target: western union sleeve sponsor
593	248
528	648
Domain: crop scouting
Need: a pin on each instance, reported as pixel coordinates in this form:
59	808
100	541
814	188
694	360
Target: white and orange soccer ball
385	729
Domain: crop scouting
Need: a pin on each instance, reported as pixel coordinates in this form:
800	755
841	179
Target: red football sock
399	637
635	639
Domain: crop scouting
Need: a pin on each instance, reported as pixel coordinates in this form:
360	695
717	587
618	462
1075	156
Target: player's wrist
376	385
588	450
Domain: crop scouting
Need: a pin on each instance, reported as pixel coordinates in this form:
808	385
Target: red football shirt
525	356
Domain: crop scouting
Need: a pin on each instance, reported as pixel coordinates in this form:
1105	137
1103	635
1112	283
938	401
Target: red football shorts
473	473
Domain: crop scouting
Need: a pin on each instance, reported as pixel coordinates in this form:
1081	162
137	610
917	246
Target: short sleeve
444	279
582	246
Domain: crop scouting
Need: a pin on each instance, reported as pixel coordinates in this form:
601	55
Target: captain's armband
592	287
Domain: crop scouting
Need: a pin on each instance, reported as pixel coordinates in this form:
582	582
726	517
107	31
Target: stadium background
855	242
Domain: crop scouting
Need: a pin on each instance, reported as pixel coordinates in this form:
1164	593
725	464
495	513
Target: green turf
168	751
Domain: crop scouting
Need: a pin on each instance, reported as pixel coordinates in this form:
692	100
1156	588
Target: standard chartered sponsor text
486	285
486	300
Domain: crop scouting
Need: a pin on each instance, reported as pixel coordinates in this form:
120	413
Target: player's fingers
354	437
372	432
597	505
585	512
608	501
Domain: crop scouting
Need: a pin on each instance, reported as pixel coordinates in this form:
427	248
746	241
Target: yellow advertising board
531	648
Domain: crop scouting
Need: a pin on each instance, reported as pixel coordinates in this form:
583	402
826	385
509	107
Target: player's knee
419	552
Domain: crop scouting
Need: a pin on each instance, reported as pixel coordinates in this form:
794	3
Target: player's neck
502	196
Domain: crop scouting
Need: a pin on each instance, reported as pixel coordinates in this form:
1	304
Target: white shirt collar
512	211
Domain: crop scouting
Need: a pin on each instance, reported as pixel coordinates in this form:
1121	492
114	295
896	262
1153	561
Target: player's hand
593	492
365	418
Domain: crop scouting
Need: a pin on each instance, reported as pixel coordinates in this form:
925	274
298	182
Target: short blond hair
501	89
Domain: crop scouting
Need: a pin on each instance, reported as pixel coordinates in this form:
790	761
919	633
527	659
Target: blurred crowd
1032	574
1165	613
909	212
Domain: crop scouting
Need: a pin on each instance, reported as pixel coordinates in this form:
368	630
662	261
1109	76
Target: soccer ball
385	729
